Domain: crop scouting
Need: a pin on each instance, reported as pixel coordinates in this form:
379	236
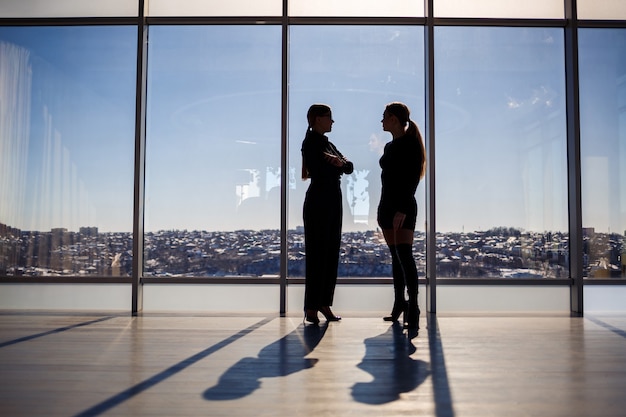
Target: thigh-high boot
399	301
405	254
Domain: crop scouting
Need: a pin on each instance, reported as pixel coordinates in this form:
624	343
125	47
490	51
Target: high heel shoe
398	308
329	315
412	319
311	316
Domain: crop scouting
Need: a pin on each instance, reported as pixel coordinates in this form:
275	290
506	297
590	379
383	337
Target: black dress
401	164
322	213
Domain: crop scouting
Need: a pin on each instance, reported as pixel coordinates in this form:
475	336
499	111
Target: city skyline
495	253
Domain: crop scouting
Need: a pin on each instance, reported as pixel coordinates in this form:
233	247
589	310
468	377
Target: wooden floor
54	364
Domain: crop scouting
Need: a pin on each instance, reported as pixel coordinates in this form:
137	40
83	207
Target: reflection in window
501	153
67	100
213	151
602	60
356	70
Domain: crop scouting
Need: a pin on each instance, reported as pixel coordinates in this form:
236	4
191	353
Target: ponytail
414	131
305	170
402	112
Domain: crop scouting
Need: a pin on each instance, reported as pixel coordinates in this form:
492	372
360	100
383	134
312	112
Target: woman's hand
398	220
334	160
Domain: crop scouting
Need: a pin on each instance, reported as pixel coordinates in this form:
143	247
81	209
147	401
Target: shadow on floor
283	357
439	372
388	359
53	331
146	384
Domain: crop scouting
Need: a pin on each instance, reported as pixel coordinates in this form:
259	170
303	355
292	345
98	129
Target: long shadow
142	386
281	358
441	386
607	326
388	359
53	331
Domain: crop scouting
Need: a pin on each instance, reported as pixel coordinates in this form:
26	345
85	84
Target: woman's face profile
386	121
324	123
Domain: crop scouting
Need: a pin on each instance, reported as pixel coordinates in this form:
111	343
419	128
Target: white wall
97	297
502	298
604	298
236	298
265	298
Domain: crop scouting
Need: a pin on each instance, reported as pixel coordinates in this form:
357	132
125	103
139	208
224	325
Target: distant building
88	231
589	231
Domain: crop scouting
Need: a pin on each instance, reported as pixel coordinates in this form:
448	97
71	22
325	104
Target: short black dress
401	168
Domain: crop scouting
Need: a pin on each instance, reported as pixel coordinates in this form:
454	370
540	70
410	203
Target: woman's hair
402	112
316	110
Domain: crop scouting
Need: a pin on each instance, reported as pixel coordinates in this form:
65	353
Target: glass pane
213	151
362	8
528	9
67	105
501	171
356	70
215	8
601	9
68	8
602	61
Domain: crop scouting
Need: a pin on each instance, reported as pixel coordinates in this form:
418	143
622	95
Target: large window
67	123
501	166
356	70
603	151
227	87
213	151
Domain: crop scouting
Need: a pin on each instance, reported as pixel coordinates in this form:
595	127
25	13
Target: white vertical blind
68	8
529	9
167	8
602	9
357	8
507	9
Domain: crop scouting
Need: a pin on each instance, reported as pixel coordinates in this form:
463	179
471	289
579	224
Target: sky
213	126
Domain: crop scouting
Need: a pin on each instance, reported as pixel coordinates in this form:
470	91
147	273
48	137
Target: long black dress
322	213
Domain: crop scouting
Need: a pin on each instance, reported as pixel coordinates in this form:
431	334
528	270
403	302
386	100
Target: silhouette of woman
403	165
323	211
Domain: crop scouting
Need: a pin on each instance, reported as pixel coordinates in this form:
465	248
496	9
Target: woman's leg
331	261
402	240
332	246
314	249
313	270
409	269
399	301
